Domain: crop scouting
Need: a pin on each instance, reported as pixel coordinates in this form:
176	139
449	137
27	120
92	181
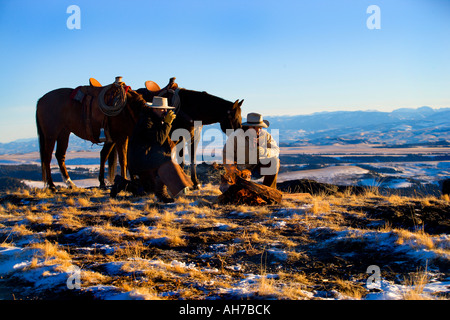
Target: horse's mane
135	100
197	101
203	95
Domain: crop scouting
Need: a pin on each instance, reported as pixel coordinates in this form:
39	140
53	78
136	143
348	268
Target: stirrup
102	137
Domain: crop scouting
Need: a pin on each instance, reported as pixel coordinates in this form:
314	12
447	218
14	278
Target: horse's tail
112	163
41	144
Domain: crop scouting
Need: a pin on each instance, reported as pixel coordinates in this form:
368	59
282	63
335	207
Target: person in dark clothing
150	156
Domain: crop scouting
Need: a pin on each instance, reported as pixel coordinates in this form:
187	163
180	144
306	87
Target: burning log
237	188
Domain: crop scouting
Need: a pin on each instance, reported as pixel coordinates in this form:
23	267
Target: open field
311	246
362	164
363	149
308	247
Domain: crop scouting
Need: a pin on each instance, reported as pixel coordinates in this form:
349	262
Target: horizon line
287	115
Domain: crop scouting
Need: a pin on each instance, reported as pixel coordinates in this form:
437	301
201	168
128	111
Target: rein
230	120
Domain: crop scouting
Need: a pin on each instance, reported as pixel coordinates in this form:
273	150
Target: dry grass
21	230
397	200
50	254
417	239
350	289
194	251
51	250
415	284
40	218
320	204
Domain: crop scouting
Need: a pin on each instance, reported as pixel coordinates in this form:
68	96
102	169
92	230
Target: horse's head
233	119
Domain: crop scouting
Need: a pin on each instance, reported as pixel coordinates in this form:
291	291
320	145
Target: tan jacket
239	150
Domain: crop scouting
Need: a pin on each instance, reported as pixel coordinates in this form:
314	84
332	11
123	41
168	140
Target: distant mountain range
32	145
399	127
422	126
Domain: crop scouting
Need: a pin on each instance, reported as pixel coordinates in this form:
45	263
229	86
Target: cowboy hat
255	120
159	103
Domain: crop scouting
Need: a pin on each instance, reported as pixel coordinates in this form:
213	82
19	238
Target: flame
231	172
248	197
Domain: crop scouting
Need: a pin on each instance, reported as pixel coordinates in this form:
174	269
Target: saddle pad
77	94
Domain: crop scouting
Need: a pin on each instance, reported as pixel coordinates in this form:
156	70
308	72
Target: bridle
230	120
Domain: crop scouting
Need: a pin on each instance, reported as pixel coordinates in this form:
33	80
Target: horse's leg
104	154
46	158
182	155
195	138
122	147
60	154
47	139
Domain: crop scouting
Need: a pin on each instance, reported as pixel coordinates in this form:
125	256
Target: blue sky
282	57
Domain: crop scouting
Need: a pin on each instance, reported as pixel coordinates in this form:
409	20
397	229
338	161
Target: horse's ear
240	103
236	104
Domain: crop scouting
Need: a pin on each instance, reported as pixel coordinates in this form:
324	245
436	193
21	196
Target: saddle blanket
77	94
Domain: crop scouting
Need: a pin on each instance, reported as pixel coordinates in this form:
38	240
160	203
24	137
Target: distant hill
403	126
32	145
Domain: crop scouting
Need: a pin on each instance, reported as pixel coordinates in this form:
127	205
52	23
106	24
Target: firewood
250	193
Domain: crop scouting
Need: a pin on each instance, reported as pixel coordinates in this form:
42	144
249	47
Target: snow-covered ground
381	174
362	173
81	183
22	264
333	174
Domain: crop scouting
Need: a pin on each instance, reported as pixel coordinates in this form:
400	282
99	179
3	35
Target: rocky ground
81	244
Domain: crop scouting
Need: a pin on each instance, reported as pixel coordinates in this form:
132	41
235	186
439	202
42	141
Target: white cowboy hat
159	103
255	120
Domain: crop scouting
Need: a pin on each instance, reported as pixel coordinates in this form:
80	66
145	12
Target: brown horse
59	113
191	106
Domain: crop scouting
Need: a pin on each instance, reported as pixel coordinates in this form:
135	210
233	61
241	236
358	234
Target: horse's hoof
70	184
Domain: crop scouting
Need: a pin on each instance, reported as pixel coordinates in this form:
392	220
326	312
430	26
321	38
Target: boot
173	177
161	191
120	183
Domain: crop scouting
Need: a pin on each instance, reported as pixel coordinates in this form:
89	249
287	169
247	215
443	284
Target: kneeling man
150	160
254	149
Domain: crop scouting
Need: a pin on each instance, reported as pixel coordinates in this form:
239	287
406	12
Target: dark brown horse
62	111
193	106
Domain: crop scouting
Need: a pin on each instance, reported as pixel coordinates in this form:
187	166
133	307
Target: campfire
237	188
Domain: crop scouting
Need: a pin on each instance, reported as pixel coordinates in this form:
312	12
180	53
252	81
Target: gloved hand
262	152
170	116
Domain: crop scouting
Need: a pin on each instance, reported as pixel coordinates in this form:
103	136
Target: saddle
156	90
94	83
152	86
97	104
152	89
